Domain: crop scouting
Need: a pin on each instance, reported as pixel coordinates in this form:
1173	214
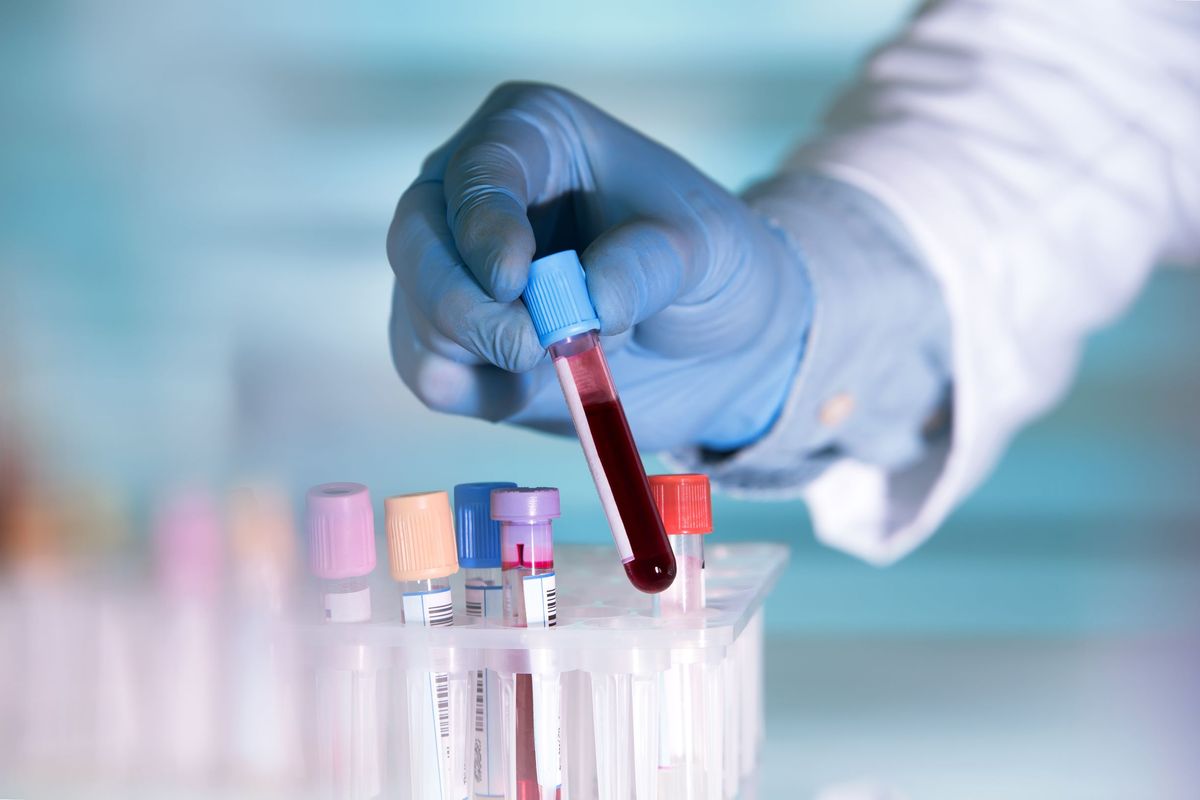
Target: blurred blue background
193	287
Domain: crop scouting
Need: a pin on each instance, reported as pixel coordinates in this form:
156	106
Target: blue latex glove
705	304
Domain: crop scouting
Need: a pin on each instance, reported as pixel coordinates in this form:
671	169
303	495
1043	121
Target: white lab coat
1044	156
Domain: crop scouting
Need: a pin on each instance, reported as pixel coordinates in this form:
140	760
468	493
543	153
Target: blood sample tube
531	601
685	505
566	324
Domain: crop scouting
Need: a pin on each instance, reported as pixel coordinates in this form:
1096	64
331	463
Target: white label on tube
485	601
348	606
487	756
547	729
435	609
488	741
428	753
541	600
607	501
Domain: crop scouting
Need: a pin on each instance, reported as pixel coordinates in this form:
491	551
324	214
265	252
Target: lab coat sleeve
1043	157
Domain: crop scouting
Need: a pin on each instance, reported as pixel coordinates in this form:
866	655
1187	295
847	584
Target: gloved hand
704	303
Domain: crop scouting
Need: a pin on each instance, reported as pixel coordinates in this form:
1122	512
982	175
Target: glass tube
613	460
530	600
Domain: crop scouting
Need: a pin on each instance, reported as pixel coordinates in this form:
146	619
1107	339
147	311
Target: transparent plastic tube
478	538
681	763
560	307
483	588
264	742
531	600
347	718
686	594
612	719
422	557
341	556
430	603
684	761
188	559
484	599
613	460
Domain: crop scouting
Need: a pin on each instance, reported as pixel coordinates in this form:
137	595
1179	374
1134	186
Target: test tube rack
652	707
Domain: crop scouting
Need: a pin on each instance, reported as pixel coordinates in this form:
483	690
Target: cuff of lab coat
850	244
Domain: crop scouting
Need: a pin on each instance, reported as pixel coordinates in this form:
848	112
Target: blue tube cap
478	534
557	298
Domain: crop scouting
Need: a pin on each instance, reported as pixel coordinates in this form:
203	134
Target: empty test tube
685	505
531	601
420	534
263	545
341	548
341	556
558	302
189	561
478	538
264	742
686	768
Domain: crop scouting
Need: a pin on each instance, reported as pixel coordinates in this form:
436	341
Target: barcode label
484	601
489	772
434	609
441	616
541	600
480	700
430	735
441	694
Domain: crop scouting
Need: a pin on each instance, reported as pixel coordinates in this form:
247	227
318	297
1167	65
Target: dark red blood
652	568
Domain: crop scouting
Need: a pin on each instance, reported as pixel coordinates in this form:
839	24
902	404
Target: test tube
264	741
685	768
262	536
479	556
341	556
478	538
420	533
531	601
189	561
558	302
684	503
